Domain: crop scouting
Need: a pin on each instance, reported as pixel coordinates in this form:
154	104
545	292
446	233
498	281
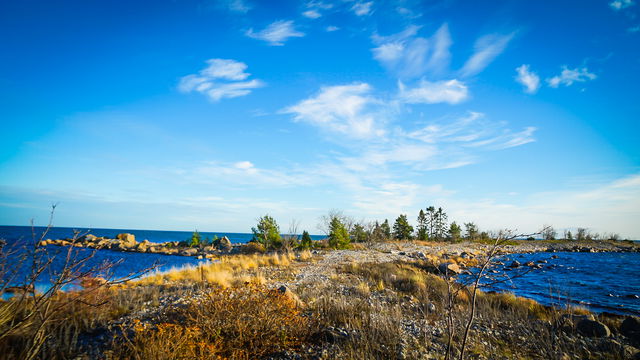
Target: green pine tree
386	229
267	233
338	234
401	228
306	242
422	231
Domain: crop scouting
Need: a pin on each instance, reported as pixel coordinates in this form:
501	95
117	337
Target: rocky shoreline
378	300
127	242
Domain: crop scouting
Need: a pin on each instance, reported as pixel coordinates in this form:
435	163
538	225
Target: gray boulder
449	268
126	241
189	252
224	244
88	238
593	328
143	246
631	328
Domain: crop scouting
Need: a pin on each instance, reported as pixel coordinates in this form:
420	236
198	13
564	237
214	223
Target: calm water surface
602	282
127	263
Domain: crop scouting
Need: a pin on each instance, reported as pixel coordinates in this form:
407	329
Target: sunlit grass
225	272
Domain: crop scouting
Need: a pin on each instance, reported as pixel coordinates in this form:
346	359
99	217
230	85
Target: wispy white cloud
601	207
314	4
222	78
409	56
332	28
239	6
225	69
569	76
408	13
315	9
436	146
362	8
486	49
343	109
520	138
447	91
621	4
276	33
634	29
242	173
473	130
311	14
529	79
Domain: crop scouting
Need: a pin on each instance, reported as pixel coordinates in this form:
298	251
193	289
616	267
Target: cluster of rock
127	242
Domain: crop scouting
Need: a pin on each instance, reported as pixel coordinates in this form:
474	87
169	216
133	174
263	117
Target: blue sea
602	282
127	263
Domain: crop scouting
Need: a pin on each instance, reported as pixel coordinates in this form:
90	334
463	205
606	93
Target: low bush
241	323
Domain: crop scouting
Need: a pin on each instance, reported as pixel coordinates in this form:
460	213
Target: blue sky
208	114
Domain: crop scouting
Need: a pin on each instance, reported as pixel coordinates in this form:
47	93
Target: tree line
341	230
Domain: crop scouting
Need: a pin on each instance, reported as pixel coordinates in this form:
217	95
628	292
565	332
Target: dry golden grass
363	289
225	272
242	323
578	310
305	255
95	308
516	305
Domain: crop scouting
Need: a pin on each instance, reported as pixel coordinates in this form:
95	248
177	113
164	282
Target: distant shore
127	242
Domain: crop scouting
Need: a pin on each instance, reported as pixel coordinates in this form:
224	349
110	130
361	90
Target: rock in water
447	268
189	252
126	241
143	246
88	238
593	328
126	237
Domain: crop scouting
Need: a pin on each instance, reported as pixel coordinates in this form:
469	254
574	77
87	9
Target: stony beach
378	300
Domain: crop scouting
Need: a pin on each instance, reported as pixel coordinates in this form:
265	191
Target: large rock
593	328
143	246
126	241
126	237
88	238
189	252
449	268
168	251
224	244
631	328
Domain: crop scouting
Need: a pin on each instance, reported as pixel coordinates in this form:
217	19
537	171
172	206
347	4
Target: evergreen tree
267	233
386	229
401	228
358	233
306	242
377	233
439	224
568	235
421	231
338	234
454	232
431	222
471	231
195	239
